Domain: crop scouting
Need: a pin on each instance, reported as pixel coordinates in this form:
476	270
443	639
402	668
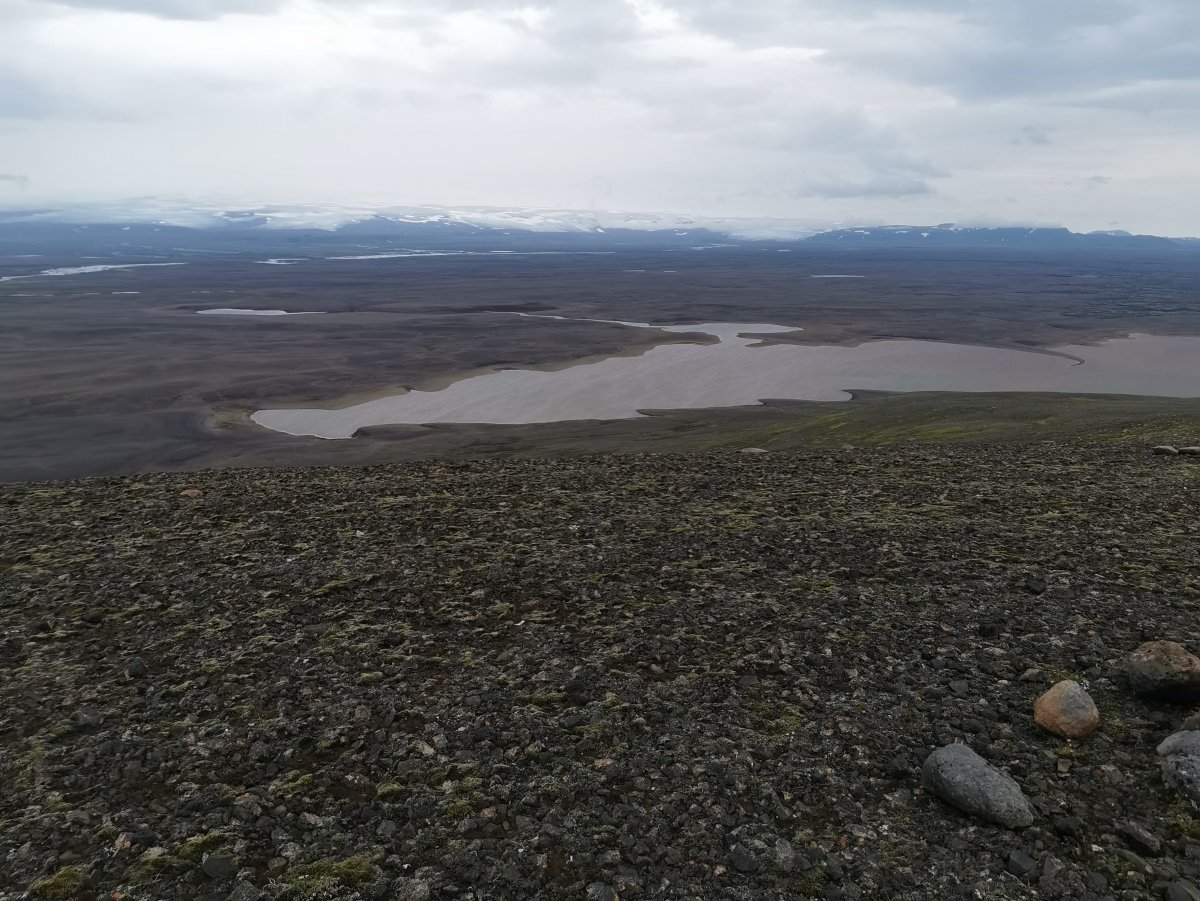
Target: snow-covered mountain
199	215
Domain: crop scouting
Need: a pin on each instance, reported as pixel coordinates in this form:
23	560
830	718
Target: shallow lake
740	371
237	311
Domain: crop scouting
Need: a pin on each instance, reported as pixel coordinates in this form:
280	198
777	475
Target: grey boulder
1181	890
963	779
218	866
1180	755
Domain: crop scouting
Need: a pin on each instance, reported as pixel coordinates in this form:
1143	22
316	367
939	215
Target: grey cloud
21	97
880	186
528	100
1065	52
897	160
977	49
24	96
1037	19
752	117
1035	134
20	181
565	44
569	17
176	9
577	22
576	41
755	20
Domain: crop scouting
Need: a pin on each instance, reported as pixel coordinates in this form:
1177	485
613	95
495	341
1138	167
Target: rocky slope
706	676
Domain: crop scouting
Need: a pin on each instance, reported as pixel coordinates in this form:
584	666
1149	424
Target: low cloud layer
1080	112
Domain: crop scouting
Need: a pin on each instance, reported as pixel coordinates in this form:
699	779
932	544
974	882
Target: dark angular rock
1020	864
577	690
743	859
1068	826
1135	862
218	866
245	891
415	890
1035	585
900	766
1054	877
1097	881
1141	839
785	855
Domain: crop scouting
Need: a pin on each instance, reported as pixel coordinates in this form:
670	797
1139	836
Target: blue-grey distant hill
312	232
1016	238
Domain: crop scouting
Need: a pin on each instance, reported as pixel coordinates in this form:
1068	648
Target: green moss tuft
198	845
322	876
459	810
151	866
391	791
63	885
297	782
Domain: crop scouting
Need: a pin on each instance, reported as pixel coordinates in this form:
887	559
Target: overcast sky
1083	113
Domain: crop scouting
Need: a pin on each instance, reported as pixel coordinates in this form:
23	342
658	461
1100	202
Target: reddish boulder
1067	710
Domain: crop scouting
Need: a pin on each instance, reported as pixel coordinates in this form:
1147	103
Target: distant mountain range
155	226
404	219
950	235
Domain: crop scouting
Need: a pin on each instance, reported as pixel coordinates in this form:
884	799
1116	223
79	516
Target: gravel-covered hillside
706	676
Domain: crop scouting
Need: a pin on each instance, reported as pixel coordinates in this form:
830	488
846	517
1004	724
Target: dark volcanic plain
97	381
701	676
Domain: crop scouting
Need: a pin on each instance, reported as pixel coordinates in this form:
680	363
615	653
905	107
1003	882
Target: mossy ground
606	669
64	885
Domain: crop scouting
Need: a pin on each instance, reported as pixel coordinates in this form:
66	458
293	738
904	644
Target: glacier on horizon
189	214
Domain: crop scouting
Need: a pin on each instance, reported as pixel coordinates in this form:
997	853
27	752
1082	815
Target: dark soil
709	676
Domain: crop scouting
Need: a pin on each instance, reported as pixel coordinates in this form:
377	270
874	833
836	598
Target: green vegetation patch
320	876
198	845
65	884
294	783
149	867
